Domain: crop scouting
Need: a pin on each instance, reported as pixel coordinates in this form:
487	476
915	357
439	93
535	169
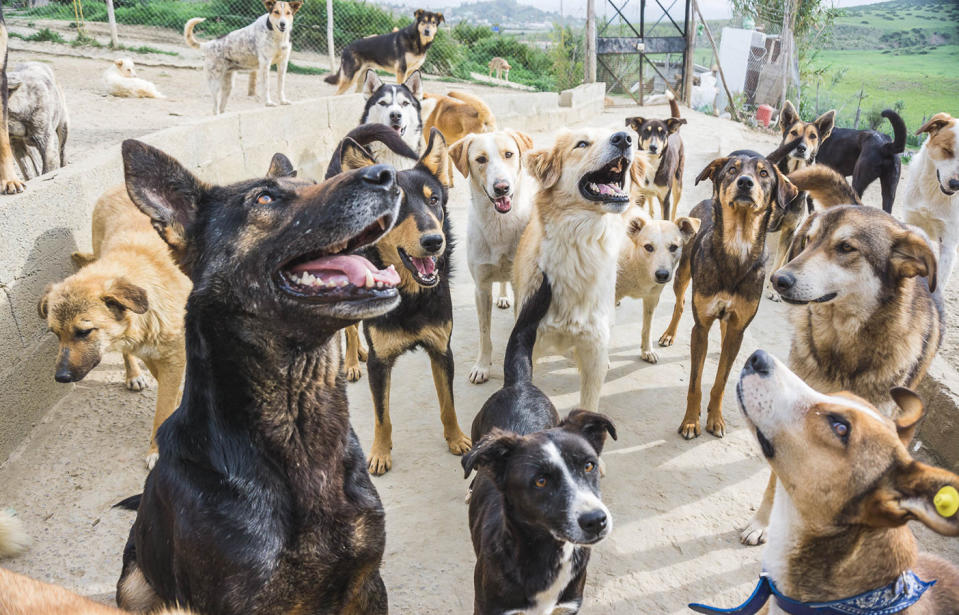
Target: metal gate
649	56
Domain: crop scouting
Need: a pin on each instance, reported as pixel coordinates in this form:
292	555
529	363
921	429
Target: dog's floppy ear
43	306
635	225
459	154
825	123
280	166
524	142
354	156
296	5
491	452
673	124
436	159
545	167
372	83
166	192
123	295
912	412
711	170
439	18
418	13
414	84
119	62
915	491
688	227
787	117
911	256
590	425
635	122
935	124
785	190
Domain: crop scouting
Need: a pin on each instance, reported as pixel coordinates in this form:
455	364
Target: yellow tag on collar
947	501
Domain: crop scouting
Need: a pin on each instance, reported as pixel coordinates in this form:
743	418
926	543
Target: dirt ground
677	505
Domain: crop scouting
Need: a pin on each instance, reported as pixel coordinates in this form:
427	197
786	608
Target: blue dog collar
898	596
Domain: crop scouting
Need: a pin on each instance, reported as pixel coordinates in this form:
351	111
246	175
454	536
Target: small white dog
258	46
121	80
502	201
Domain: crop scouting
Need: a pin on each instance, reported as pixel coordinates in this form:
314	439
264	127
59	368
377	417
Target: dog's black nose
594	521
621	140
501	188
783	281
395	116
801	148
652	149
745	183
432	243
379	175
662	275
954	184
759	362
426	32
63	375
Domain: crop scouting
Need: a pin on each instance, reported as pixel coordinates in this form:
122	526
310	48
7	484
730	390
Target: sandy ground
677	505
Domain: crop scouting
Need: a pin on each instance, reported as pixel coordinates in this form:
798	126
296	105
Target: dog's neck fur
740	233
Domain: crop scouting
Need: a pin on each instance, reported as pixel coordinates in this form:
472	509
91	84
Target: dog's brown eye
845	247
434	200
673	248
264	199
589	467
540	482
794	133
481	160
581	144
649	247
813	137
764	173
82	333
508	155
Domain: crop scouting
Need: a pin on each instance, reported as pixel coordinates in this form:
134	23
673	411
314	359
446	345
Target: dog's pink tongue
503	204
357	270
607	189
425	266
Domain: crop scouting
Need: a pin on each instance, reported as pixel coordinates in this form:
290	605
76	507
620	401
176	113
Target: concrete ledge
583	95
940	429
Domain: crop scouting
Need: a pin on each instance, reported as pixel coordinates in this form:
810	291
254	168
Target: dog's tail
825	185
365	134
130	503
13	540
188	32
898	144
333	78
482	109
673	105
518	364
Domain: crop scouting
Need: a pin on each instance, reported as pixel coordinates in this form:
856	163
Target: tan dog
129	298
848	488
574	237
647	262
121	80
456	115
499	66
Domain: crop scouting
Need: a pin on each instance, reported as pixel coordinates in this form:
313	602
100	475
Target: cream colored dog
121	80
574	237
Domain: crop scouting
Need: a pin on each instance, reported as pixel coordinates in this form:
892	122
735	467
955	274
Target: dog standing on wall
258	46
38	119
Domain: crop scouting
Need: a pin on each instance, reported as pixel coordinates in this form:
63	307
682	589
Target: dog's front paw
667	339
151	459
649	356
716	426
690	430
353	373
479	374
380	462
12	186
138	383
754	533
284	101
459	443
503	302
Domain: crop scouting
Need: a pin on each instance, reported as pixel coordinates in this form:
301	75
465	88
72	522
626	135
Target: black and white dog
399	106
534	508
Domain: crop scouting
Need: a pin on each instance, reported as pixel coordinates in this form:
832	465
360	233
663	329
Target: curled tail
898	144
188	32
365	134
673	105
518	364
825	185
332	78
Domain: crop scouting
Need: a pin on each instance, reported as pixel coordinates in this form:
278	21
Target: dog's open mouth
423	268
606	185
823	299
503	204
399	128
334	274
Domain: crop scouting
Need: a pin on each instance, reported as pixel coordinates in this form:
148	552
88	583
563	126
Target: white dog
500	207
121	80
932	190
258	46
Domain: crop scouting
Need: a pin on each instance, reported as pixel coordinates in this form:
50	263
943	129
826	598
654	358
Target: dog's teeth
343	283
379	284
370	283
382	224
593	187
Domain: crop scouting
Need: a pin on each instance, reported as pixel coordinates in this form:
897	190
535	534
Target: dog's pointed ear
493	452
911	490
459	154
354	156
418	13
635	122
786	191
545	167
122	295
711	170
935	124
825	123
787	117
912	256
415	84
688	227
799	239
371	83
590	425
912	409
43	306
269	4
673	124
436	158
296	5
524	142
166	192
280	166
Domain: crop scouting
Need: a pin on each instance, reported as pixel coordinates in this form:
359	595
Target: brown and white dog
9	182
574	237
499	66
659	140
848	488
931	199
456	115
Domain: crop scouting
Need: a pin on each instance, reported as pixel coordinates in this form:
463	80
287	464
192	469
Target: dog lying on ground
574	237
726	263
663	147
500	66
501	203
456	115
258	46
129	296
268	479
534	507
13	538
647	261
419	247
9	183
867	155
399	53
121	80
930	197
399	106
38	119
849	487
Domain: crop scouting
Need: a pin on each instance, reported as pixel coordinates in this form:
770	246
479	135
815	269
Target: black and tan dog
726	263
9	183
400	52
662	179
260	501
419	247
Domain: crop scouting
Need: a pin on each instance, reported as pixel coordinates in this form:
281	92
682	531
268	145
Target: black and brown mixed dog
726	263
419	247
9	183
399	53
260	501
534	507
662	179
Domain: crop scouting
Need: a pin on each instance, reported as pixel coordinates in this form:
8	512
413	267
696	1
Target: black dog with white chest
534	507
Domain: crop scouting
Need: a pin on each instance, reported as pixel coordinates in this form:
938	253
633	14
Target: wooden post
111	17
329	34
590	41
722	77
690	59
858	110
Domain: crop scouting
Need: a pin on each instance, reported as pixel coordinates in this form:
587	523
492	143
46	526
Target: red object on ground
764	113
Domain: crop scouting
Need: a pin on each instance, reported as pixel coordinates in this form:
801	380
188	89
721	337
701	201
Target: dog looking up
121	80
258	46
659	140
38	119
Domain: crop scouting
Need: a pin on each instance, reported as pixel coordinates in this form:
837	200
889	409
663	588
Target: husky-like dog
37	119
399	106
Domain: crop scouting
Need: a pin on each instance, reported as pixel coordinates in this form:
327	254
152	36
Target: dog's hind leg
135	380
664	203
264	85
169	376
381	458
251	85
592	357
351	363
680	283
442	363
484	307
888	181
49	149
732	340
226	87
755	532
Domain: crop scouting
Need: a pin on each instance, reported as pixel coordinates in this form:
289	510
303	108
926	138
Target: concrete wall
43	226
